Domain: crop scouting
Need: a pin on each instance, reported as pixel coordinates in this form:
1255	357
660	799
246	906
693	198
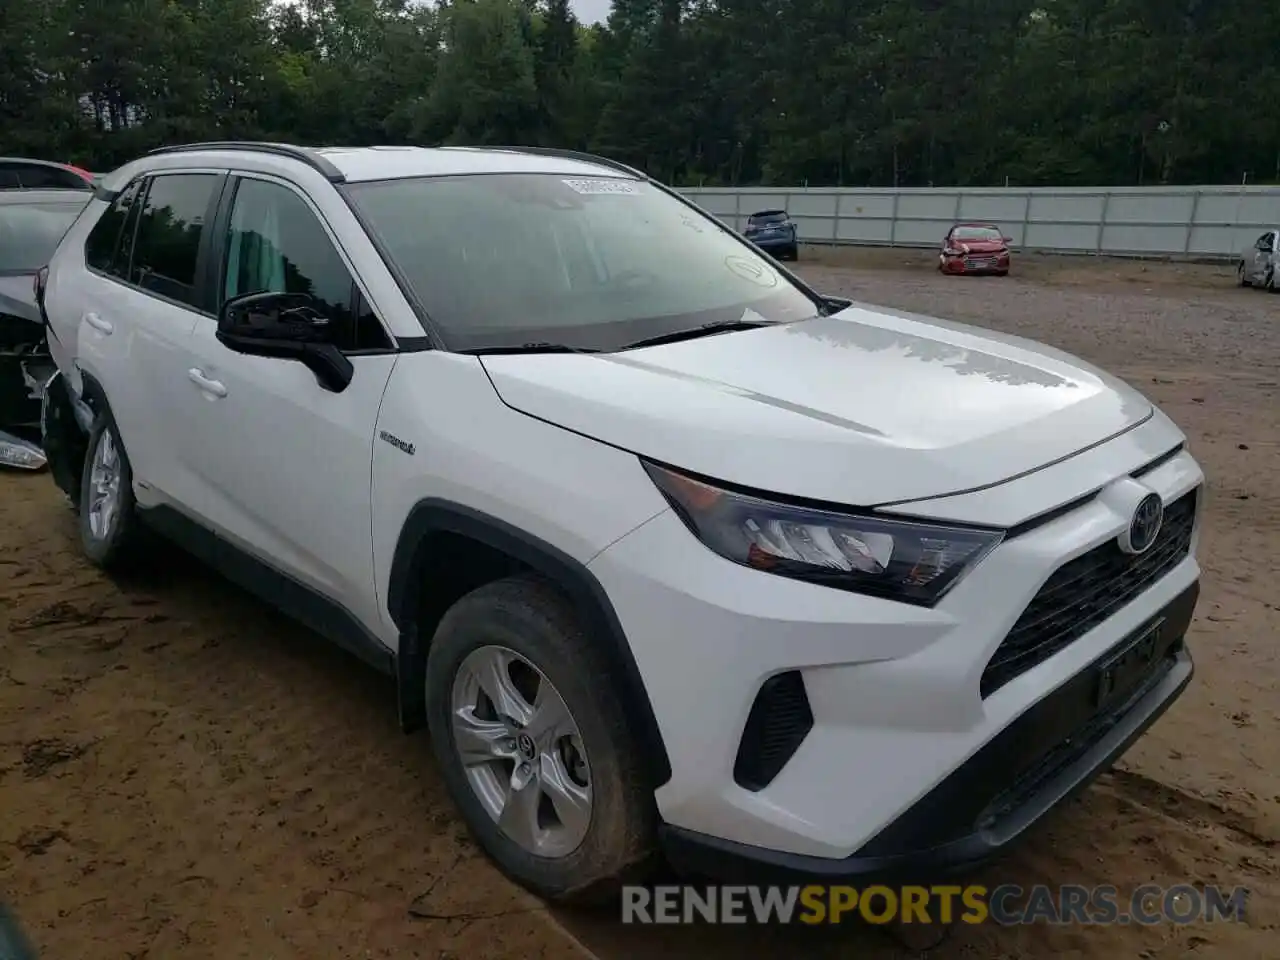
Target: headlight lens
896	559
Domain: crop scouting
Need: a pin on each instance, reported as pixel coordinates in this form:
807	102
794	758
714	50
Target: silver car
1258	265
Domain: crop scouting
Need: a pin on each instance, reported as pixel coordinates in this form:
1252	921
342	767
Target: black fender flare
433	516
93	394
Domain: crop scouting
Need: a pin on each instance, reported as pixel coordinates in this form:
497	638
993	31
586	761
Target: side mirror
1007	239
288	326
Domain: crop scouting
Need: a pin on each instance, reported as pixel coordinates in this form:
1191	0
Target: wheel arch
93	394
446	524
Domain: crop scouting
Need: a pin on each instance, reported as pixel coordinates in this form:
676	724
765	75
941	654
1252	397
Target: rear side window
103	249
170	226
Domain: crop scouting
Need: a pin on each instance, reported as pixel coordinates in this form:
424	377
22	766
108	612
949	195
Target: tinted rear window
168	241
29	233
769	216
39	176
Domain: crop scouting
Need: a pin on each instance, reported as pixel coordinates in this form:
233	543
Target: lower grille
1086	591
779	721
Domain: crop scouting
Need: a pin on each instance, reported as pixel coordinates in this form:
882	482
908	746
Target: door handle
213	387
99	324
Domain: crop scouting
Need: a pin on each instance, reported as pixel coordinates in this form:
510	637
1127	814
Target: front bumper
976	263
1050	753
893	690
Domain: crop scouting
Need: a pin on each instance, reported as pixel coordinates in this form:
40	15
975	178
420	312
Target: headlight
896	559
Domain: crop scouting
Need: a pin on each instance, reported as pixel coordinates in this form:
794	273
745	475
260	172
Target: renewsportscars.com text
1006	905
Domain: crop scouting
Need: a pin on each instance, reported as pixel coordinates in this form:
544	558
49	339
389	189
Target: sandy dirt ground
183	774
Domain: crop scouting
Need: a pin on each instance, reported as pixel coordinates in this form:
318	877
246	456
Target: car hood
18	298
866	407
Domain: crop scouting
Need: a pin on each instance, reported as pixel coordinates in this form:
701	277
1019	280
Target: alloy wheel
104	486
521	751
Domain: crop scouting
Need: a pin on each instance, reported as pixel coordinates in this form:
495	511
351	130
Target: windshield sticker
752	270
601	187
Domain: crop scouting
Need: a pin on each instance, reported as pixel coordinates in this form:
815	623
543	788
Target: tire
793	254
523	620
1002	273
1270	286
111	539
1241	279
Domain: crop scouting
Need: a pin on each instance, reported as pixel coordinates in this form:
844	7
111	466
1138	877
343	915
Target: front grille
779	721
1086	591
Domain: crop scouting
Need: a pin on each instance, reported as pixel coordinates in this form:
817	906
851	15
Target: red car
975	248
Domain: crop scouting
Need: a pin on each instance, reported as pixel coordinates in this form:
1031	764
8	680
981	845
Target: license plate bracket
1121	672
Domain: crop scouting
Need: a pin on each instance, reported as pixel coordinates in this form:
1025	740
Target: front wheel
1241	278
534	747
110	529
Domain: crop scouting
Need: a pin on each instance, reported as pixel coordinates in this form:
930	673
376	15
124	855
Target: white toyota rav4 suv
669	552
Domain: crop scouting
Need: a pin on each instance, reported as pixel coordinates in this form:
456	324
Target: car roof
360	164
68	195
383	163
32	161
974	223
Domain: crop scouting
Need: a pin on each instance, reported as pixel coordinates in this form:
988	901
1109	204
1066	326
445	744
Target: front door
283	463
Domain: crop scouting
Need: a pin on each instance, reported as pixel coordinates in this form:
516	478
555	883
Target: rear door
135	327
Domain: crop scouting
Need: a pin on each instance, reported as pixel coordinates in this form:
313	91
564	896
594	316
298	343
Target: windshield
977	233
29	233
507	260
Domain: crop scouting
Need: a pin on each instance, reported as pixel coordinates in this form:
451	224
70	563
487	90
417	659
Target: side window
1267	241
275	243
168	239
40	177
102	249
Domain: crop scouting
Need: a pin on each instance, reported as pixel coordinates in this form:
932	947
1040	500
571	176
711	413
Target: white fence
1127	221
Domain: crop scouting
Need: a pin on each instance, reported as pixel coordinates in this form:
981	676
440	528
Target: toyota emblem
1145	525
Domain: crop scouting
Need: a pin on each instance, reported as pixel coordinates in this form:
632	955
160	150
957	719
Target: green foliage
855	92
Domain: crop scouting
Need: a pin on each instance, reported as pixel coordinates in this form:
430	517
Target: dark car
24	173
14	944
32	222
774	232
975	248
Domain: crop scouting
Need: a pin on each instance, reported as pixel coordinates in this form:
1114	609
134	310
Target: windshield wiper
540	346
717	326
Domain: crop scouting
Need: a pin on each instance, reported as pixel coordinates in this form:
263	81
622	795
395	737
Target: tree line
715	92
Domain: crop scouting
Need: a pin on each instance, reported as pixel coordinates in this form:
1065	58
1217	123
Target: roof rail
308	156
576	155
